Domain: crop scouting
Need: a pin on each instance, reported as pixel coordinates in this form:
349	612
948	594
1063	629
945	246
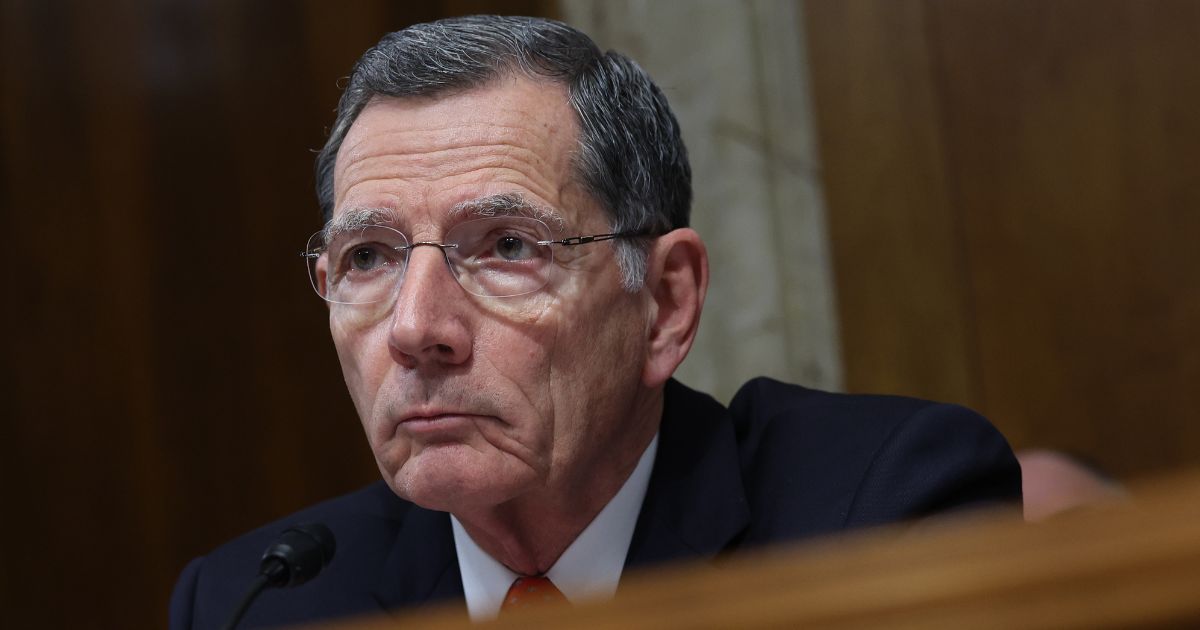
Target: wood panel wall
169	380
1013	210
1014	206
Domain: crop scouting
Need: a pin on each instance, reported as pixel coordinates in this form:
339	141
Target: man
511	283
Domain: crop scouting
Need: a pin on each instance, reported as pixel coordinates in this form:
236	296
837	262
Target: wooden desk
1133	564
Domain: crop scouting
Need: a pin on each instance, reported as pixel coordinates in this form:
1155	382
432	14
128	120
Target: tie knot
531	591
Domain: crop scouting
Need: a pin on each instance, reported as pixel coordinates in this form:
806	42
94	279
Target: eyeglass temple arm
583	240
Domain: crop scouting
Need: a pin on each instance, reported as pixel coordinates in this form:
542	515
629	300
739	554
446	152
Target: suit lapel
695	504
421	566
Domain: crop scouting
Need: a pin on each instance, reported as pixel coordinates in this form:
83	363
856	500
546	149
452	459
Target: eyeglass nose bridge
443	247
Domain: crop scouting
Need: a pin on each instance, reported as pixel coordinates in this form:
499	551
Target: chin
458	479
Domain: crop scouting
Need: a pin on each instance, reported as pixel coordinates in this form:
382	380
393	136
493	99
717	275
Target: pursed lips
433	423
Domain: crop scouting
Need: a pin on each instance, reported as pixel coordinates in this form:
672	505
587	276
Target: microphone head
298	555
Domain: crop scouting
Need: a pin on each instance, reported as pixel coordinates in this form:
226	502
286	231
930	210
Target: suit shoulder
763	402
866	458
765	410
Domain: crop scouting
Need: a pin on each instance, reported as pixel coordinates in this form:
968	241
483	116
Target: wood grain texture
1041	253
1132	564
903	304
1074	136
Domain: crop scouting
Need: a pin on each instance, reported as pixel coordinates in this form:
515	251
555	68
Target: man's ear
676	282
322	275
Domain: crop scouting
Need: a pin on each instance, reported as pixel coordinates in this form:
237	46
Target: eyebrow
508	204
357	218
505	204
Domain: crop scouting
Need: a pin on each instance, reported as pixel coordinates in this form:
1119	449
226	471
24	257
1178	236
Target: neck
529	533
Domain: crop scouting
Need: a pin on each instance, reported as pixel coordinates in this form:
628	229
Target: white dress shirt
590	567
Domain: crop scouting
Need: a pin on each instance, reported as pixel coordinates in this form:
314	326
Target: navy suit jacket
781	464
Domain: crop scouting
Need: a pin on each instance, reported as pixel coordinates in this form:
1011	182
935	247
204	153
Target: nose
430	324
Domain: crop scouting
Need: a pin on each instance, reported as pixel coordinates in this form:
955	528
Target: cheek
347	347
596	359
519	342
516	355
364	361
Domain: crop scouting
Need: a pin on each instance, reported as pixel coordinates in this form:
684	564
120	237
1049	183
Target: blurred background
993	203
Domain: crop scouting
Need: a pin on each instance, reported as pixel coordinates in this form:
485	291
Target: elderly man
511	283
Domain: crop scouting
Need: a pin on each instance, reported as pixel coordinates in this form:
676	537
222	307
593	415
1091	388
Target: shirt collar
590	568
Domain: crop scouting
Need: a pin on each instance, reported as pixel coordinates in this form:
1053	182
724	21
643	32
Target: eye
511	247
365	258
369	257
507	243
370	250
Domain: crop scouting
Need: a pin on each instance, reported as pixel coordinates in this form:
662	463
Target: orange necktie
527	592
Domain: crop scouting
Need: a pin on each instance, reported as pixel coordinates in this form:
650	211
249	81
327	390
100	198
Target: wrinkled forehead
505	204
511	112
508	147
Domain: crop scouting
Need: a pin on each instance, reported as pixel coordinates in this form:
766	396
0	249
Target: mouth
445	425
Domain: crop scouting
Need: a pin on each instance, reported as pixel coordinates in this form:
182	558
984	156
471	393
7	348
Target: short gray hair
631	156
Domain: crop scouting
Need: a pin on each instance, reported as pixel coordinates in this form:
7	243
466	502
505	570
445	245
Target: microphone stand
295	558
261	582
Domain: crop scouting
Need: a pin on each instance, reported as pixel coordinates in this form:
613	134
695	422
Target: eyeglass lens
492	257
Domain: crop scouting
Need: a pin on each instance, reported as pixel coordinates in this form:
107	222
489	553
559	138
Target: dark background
170	379
1012	206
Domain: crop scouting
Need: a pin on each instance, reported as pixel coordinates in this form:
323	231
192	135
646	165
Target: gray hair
631	157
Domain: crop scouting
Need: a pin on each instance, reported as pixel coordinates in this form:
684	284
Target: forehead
422	157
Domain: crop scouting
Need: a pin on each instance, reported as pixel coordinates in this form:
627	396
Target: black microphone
296	557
